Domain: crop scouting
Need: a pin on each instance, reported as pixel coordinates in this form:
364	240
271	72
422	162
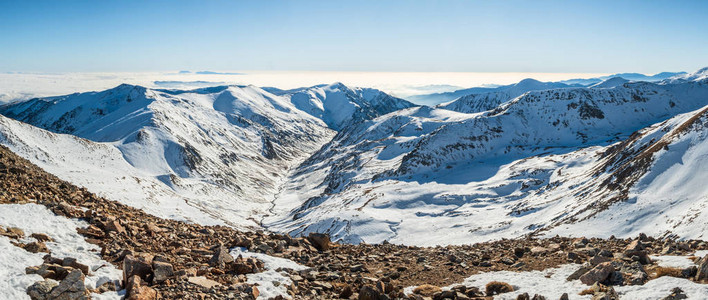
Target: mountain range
531	84
616	158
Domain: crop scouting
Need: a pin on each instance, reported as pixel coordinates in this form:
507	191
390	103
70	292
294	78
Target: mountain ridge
356	163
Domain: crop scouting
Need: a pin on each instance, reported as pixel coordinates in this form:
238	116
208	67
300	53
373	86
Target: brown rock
40	290
137	289
140	265
634	246
427	290
221	257
320	241
72	262
368	293
71	287
203	281
162	271
498	287
702	272
42	237
598	273
13	233
114	225
36	247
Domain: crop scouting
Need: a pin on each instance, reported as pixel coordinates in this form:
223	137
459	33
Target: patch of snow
661	287
551	283
271	283
34	218
673	261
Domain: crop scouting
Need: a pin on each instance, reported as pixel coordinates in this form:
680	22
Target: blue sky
426	36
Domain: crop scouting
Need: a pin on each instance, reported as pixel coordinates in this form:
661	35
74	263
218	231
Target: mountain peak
700	74
528	82
610	83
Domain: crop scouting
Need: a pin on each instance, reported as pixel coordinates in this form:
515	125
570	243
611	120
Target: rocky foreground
167	259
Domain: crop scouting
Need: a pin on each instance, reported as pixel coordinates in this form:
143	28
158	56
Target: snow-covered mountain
509	91
527	165
220	151
610	83
337	104
617	158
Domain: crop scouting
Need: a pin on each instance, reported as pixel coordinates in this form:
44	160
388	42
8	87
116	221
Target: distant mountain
628	76
337	104
610	83
437	98
512	90
479	102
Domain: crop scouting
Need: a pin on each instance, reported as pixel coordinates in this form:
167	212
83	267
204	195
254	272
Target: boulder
498	287
221	257
579	272
36	247
71	287
72	262
702	269
41	237
427	290
114	226
137	289
40	290
162	271
368	293
203	281
140	265
598	273
320	241
13	233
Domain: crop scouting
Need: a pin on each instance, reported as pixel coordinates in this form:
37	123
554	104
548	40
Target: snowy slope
337	104
211	155
610	83
479	102
506	92
217	151
521	167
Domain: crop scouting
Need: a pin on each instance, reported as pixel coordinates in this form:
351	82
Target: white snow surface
34	218
552	283
271	283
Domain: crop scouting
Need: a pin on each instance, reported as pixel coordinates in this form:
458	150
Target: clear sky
426	36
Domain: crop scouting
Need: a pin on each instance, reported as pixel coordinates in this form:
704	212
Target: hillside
527	166
223	151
